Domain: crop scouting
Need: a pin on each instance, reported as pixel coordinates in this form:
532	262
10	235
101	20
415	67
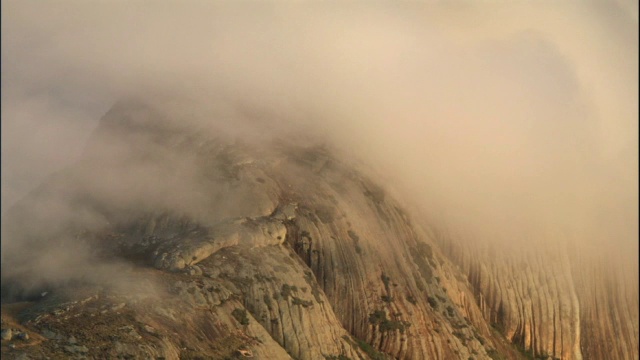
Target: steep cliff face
554	302
187	245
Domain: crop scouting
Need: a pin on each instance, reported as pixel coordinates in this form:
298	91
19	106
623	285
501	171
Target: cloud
504	121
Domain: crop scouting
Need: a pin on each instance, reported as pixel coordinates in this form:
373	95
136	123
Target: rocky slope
169	243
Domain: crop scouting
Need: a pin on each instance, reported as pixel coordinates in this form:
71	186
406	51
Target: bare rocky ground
313	261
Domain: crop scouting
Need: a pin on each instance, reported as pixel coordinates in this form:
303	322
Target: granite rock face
184	245
553	303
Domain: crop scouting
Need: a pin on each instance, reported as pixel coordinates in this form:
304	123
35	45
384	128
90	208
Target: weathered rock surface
281	251
551	303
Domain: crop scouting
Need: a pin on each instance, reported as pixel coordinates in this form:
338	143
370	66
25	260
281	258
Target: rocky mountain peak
182	245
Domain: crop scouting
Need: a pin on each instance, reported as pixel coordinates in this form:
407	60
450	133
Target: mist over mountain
289	243
319	181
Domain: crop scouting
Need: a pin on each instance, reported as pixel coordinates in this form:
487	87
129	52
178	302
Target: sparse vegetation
450	311
385	281
241	316
379	318
412	299
304	303
459	325
368	349
308	276
261	278
433	302
286	291
390	325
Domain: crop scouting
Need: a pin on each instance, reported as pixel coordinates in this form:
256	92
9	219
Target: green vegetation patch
379	318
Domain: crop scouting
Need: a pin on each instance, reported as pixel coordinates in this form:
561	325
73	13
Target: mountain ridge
275	249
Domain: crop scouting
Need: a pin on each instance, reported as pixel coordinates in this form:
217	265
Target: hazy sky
521	116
